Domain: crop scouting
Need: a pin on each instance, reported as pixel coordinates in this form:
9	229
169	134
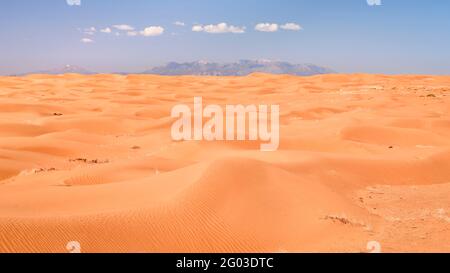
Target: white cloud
106	30
152	31
219	28
197	28
291	26
90	31
73	2
132	33
180	24
124	27
266	27
374	2
87	40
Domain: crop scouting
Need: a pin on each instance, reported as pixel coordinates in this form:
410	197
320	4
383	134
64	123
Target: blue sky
349	36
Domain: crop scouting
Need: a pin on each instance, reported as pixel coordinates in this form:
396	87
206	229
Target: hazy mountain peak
240	68
67	69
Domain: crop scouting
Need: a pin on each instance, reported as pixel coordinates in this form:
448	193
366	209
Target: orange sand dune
90	159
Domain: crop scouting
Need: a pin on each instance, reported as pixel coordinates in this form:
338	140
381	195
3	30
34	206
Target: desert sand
90	159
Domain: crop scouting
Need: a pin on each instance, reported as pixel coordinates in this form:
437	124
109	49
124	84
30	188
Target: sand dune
90	159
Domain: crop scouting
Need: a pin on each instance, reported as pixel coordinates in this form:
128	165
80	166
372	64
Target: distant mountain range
68	69
241	68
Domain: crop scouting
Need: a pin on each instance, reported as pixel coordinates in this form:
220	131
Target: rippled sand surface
90	159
